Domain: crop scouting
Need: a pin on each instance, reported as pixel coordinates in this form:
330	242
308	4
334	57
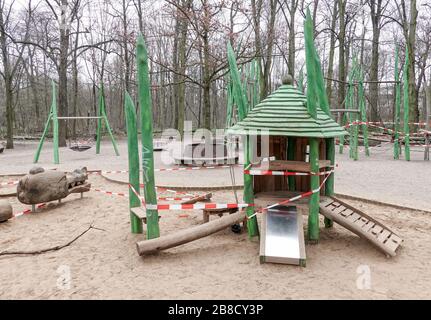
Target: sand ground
104	264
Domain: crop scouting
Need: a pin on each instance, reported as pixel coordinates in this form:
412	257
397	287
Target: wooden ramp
361	224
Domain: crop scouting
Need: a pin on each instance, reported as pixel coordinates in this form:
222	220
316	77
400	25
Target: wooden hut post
329	187
291	146
313	218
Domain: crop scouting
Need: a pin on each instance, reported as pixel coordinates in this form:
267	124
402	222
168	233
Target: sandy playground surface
103	263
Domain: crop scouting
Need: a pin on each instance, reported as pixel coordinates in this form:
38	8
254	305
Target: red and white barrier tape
420	124
301	196
370	124
11	183
28	211
198	206
284	173
110	193
169	169
123	195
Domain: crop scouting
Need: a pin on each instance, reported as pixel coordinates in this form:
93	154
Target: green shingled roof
284	113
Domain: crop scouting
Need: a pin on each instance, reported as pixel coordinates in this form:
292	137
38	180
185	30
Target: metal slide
282	237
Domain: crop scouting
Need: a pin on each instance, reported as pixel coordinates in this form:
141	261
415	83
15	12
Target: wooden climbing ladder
361	224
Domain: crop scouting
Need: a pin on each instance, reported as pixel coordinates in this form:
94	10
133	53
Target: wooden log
5	211
202	198
188	235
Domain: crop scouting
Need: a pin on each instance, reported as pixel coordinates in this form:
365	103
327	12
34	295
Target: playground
104	263
292	203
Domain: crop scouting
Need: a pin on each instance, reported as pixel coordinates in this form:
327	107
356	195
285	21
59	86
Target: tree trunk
341	55
413	94
182	60
376	11
291	54
63	109
7	82
330	74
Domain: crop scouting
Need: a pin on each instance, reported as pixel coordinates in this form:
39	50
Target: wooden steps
361	224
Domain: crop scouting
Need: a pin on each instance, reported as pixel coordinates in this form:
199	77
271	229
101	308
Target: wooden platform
295	166
266	199
361	224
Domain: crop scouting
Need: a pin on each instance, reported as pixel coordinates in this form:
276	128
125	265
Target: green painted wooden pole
144	89
406	106
133	150
330	183
291	146
313	218
111	135
102	113
241	103
397	147
55	124
252	226
42	140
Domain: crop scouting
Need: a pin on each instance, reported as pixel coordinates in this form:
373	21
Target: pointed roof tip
287	80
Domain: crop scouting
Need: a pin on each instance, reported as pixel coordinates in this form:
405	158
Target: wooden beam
188	235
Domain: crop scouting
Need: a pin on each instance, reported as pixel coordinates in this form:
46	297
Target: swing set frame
53	116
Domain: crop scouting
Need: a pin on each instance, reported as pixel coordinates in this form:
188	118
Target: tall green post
316	97
144	90
397	147
406	106
241	103
133	150
313	218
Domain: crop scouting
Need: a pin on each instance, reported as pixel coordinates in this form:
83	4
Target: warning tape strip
11	183
123	195
169	169
410	123
28	211
284	173
198	206
370	124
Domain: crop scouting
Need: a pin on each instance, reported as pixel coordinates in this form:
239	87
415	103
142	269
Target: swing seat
80	148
